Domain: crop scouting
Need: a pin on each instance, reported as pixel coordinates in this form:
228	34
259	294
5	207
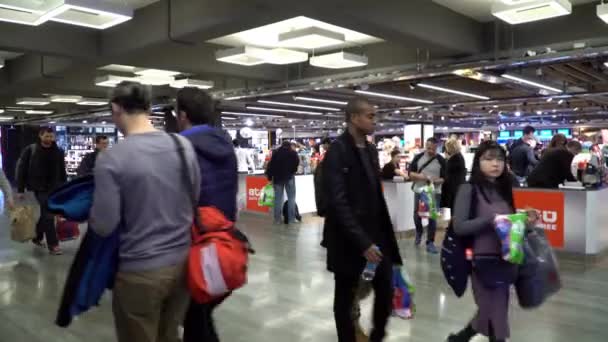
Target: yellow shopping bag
23	223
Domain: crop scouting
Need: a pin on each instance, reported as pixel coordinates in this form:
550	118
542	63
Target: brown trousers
149	306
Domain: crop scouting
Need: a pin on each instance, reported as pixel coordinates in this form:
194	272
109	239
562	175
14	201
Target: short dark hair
354	107
529	130
395	153
133	97
326	141
432	140
198	106
100	138
574	145
44	130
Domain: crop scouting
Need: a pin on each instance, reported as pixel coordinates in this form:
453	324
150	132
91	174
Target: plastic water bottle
369	272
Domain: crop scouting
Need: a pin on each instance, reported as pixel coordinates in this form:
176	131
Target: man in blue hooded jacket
198	122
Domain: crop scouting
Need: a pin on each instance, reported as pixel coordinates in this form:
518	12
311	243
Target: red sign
254	187
551	207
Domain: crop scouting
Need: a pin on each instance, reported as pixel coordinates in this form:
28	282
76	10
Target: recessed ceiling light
84	121
155	72
39	112
533	10
188	82
339	60
33	101
253	114
311	38
119	68
550	100
111	80
314	99
1	111
89	13
264	109
298	105
452	91
518	113
394	97
65	98
1	63
533	83
92	102
602	12
244	55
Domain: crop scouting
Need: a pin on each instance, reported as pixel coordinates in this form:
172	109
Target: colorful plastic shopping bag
266	196
427	205
511	230
403	295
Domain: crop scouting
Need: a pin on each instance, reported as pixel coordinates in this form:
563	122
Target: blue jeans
279	190
432	227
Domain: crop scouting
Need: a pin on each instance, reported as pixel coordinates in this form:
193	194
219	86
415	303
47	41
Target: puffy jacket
350	225
283	164
218	164
40	168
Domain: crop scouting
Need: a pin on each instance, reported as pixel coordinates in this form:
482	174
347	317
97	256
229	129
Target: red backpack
219	256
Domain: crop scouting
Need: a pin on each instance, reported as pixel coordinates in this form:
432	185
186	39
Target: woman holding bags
488	193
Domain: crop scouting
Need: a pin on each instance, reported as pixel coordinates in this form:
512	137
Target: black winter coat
283	165
350	226
41	169
456	174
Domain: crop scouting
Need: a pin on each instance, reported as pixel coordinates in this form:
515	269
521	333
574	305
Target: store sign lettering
254	186
551	207
548	220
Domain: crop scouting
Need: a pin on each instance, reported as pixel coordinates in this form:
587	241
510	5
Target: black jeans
344	298
431	228
46	223
198	325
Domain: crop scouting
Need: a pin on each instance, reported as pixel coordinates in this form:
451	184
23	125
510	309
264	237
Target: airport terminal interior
463	71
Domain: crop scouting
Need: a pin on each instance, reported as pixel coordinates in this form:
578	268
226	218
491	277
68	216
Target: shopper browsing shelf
41	169
138	190
427	168
391	169
281	171
87	165
554	167
219	186
358	227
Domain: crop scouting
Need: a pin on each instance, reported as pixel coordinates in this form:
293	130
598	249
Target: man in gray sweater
139	190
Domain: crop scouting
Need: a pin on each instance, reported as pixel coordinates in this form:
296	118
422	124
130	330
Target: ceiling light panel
92	102
314	99
393	97
111	80
244	55
154	80
187	82
253	114
38	112
155	72
330	109
268	36
339	60
65	98
25	12
264	109
533	83
452	91
33	101
529	11
311	38
89	13
602	12
282	56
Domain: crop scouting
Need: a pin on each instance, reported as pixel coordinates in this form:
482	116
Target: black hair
100	138
286	143
44	130
354	107
326	141
574	145
395	153
432	140
558	140
198	106
235	142
133	97
529	130
503	184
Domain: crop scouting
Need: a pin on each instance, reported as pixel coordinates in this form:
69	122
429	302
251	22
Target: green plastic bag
511	230
427	207
267	196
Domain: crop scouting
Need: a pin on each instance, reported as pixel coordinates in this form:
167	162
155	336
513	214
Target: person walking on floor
41	169
455	175
427	168
358	227
196	120
281	171
138	190
488	193
87	165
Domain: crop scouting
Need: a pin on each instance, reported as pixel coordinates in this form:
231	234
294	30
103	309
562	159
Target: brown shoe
360	335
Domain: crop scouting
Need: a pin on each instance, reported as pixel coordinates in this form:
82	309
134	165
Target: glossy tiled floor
289	297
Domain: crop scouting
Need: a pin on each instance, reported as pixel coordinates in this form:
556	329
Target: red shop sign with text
254	187
551	207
